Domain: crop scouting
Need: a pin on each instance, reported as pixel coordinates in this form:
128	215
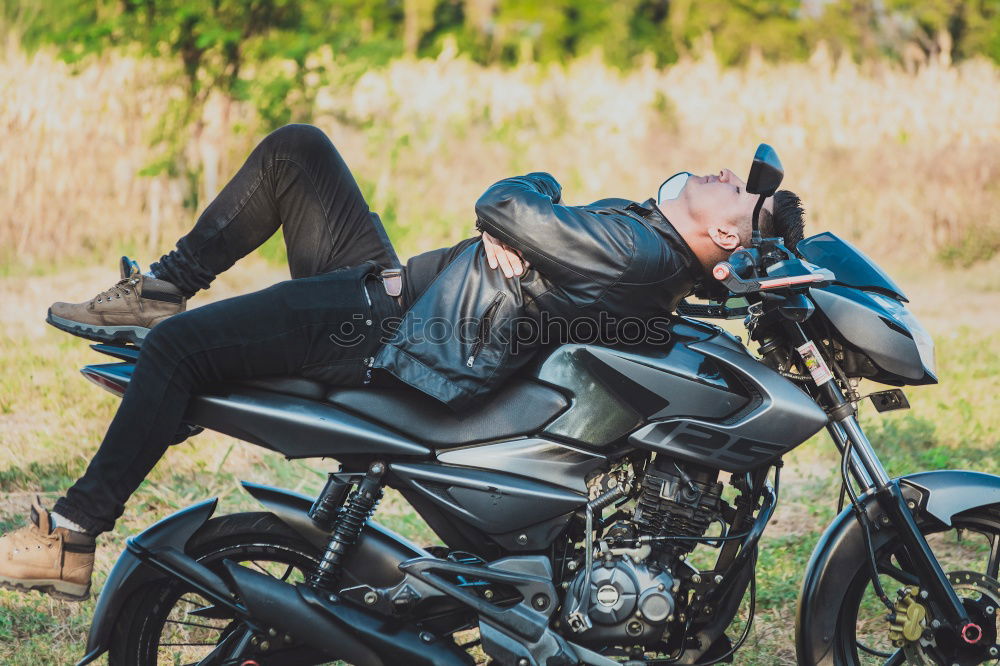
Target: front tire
167	622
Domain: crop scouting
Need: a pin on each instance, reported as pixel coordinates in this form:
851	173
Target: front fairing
851	266
881	328
866	307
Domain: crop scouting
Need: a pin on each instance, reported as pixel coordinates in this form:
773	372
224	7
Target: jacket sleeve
569	245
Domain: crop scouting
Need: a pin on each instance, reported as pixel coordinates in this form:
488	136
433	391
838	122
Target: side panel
840	552
503	506
540	459
297	427
781	417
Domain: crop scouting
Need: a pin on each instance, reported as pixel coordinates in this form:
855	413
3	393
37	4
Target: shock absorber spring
359	508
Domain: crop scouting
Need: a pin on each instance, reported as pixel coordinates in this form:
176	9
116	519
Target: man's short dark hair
786	220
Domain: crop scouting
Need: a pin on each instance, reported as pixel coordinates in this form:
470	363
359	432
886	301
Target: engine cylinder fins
677	500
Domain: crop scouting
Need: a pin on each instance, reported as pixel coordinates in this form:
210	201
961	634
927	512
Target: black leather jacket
471	328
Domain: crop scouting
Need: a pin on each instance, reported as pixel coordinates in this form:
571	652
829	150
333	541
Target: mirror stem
755	235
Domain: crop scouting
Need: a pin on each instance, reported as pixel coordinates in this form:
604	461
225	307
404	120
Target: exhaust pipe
338	629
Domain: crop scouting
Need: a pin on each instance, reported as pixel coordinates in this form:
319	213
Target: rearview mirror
766	172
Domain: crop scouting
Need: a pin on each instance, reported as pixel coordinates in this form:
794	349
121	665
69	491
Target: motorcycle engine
677	500
632	586
629	602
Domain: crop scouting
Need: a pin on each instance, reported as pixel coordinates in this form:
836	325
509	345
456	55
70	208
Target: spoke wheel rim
186	638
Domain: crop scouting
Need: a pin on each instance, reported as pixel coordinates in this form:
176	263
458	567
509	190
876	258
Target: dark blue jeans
295	180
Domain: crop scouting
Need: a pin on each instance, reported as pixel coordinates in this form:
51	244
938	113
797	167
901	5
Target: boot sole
108	334
59	589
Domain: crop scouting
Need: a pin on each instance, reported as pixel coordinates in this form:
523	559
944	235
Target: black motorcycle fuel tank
616	390
699	397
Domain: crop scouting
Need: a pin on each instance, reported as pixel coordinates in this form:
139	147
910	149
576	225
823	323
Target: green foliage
771	26
212	42
45	476
908	442
22	623
975	246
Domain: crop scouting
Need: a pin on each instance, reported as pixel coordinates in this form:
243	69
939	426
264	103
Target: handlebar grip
724	273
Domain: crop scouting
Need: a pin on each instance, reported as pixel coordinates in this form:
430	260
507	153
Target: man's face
719	199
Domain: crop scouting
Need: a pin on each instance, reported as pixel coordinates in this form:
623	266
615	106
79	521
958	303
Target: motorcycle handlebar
727	275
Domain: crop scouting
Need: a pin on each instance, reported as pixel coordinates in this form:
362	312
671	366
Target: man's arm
525	214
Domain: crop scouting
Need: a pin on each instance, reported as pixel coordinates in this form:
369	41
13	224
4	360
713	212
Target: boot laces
122	287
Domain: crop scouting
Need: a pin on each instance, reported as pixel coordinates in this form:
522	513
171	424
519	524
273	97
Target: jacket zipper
484	326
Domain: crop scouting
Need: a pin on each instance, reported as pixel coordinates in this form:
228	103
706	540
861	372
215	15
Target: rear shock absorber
327	506
359	507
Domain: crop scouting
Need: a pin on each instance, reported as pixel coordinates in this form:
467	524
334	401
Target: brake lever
726	274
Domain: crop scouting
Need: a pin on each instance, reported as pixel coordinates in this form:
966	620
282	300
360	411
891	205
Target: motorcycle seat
297	386
521	407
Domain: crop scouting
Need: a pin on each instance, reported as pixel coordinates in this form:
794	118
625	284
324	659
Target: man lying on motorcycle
534	256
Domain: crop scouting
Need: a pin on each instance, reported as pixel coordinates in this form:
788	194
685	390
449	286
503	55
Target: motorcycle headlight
923	340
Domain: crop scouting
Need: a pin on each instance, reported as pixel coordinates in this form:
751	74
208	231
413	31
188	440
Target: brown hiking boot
58	562
124	313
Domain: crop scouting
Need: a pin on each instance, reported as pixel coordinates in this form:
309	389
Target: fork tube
858	471
890	499
863	449
865	465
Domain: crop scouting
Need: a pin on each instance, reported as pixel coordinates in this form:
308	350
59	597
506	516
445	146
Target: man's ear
725	236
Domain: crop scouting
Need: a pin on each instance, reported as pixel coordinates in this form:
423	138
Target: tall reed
902	163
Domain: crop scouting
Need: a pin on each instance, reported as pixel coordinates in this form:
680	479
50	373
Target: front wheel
167	622
969	552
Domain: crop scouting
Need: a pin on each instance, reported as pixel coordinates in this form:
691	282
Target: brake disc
922	644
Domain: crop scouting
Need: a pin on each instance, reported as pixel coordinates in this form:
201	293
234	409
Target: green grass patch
44	477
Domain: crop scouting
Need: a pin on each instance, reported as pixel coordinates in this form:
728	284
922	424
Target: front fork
867	470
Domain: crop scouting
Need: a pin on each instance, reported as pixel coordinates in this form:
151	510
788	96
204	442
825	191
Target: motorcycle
605	508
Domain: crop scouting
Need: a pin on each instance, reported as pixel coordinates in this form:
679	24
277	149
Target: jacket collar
704	285
652	213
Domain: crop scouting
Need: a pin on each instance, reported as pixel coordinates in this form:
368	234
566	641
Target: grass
51	420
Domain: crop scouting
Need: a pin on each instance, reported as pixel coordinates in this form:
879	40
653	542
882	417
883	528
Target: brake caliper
909	621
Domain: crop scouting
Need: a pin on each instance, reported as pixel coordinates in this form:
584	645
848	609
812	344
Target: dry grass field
903	164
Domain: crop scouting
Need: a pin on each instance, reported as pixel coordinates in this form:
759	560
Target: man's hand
501	256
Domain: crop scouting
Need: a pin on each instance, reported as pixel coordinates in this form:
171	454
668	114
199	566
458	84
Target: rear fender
373	561
131	573
939	496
